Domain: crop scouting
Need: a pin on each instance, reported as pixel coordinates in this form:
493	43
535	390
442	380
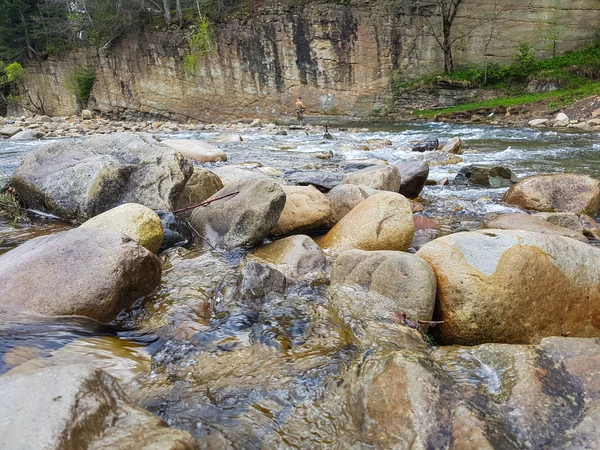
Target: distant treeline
35	28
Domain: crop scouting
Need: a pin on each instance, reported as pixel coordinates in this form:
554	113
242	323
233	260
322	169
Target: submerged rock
306	210
381	222
533	223
77	406
245	218
489	176
382	284
77	180
259	280
413	176
514	286
134	221
87	272
578	194
381	177
296	256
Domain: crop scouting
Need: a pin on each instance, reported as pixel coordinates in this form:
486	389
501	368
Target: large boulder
557	193
489	176
86	272
533	223
134	221
77	180
413	176
245	218
381	177
296	256
197	150
381	222
454	146
27	135
514	286
381	284
229	174
79	407
9	131
306	210
344	197
202	185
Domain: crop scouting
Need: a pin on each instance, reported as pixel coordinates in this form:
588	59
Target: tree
447	11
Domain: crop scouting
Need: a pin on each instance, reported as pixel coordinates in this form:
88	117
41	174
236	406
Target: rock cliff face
339	57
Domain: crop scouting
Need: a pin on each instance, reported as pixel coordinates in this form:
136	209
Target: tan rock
197	150
382	177
453	146
590	227
533	223
296	256
306	209
380	284
230	174
557	193
563	219
344	197
133	220
514	286
381	222
202	185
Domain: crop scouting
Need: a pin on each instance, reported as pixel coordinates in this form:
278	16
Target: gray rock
534	223
27	135
77	180
86	114
79	407
197	150
380	284
259	280
344	198
413	176
322	180
9	131
245	218
229	174
490	176
87	272
381	177
426	145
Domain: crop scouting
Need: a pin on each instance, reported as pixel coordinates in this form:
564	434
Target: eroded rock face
87	272
533	223
306	209
381	177
134	221
381	284
381	222
296	256
77	406
77	180
578	194
514	286
413	176
245	218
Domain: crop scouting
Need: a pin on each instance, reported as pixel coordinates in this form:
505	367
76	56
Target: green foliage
13	73
524	62
82	82
200	42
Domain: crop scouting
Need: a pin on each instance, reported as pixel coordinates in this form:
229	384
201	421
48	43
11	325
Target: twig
205	203
199	235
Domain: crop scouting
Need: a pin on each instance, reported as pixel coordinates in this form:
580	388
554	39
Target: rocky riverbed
387	288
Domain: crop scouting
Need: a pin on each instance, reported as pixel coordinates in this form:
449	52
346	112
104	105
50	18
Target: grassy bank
576	74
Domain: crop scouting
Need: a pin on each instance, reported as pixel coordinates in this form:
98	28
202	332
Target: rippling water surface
249	373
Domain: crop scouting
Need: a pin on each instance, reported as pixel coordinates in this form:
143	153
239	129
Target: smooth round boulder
306	210
86	272
533	223
413	176
344	197
229	174
381	177
578	194
134	221
514	286
296	256
245	217
383	221
401	282
197	150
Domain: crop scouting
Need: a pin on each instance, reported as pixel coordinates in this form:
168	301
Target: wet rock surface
381	177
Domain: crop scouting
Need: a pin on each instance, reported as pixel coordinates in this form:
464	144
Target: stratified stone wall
339	58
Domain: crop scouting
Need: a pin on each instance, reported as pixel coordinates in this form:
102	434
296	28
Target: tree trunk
167	11
179	12
27	38
447	48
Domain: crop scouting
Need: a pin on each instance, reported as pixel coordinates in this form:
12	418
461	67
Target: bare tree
167	11
495	17
179	12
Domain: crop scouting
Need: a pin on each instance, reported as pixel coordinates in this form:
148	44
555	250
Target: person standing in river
300	110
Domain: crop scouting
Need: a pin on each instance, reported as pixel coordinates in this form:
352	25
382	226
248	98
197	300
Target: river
248	375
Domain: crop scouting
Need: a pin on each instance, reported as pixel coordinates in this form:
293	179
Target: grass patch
563	97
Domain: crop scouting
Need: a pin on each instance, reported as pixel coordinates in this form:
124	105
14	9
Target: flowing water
264	373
